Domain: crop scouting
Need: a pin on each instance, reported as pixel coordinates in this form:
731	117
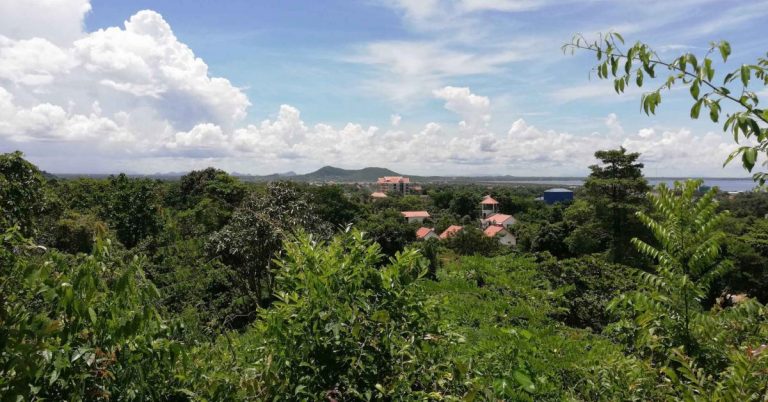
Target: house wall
416	220
508	240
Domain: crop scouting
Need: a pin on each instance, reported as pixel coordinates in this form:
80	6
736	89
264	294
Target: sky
426	87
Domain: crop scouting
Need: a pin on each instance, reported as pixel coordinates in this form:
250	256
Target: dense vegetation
208	288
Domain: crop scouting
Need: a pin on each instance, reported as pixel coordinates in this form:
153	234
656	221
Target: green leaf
714	112
745	75
695	89
92	314
639	80
748	158
619	37
696	109
725	50
380	316
524	381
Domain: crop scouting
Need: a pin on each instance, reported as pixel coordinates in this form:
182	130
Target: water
730	185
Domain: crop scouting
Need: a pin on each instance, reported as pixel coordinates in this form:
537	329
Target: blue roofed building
554	195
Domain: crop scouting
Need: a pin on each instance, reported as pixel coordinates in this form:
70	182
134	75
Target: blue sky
419	86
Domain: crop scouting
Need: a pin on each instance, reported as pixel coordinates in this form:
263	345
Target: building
424	233
554	195
394	184
415	216
502	220
378	195
488	206
505	238
451	231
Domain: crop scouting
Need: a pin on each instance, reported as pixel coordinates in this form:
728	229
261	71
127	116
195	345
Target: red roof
488	200
493	230
378	194
498	219
393	179
415	214
452	230
422	232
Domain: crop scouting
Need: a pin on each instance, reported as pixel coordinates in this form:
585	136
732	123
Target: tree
209	183
80	328
617	190
22	192
701	354
132	209
389	229
587	234
334	206
630	65
668	310
348	325
255	233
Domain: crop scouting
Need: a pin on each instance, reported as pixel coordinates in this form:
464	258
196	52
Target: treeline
208	288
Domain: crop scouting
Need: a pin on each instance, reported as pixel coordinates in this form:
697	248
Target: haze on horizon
437	87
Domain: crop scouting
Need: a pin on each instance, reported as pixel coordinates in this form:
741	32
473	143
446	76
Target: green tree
80	328
633	64
345	327
254	235
668	310
389	229
22	192
209	183
617	189
701	354
132	209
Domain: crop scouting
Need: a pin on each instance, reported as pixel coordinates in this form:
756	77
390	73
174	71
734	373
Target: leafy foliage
22	196
617	189
633	64
80	328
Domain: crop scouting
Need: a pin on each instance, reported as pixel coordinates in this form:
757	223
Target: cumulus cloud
475	110
137	96
137	83
59	21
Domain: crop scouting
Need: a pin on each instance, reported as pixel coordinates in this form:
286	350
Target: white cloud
59	21
137	83
474	110
136	93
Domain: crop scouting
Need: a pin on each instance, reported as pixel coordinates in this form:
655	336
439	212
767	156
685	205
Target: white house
502	220
415	216
505	238
424	233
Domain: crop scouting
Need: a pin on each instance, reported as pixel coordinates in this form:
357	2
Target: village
493	223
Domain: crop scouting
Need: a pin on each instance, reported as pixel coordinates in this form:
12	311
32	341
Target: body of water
731	185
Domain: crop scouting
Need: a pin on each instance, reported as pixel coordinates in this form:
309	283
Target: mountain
330	173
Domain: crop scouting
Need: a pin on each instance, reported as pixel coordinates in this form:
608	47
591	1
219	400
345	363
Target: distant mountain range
370	174
329	174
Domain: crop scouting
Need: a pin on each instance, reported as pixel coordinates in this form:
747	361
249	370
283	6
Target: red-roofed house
426	233
415	216
505	238
502	220
488	206
394	184
451	231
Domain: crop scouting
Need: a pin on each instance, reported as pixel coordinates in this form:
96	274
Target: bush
75	233
342	329
80	328
590	283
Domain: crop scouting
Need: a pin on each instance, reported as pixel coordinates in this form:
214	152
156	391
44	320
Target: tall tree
22	192
617	188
